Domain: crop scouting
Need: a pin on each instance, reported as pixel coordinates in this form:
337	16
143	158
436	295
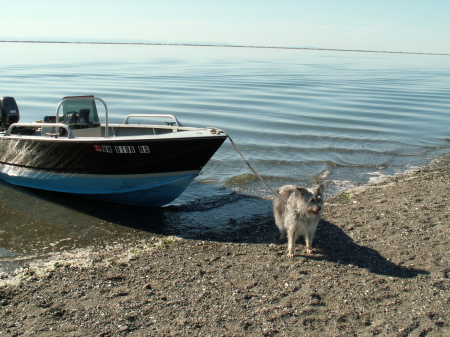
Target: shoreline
380	268
174	44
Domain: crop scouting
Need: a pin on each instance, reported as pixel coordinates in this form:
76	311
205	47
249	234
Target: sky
380	25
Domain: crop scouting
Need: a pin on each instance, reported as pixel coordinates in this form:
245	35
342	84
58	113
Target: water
298	116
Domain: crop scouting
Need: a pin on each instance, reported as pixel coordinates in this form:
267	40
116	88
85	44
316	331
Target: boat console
80	112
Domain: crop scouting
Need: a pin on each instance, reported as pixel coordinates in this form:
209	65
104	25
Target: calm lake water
300	117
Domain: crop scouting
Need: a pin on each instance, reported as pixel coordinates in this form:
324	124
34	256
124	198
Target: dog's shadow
332	244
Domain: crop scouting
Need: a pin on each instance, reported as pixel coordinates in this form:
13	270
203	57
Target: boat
147	160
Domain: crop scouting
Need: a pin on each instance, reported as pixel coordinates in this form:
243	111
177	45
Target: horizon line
229	46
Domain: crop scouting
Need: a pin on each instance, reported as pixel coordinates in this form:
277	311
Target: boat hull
109	156
147	172
153	190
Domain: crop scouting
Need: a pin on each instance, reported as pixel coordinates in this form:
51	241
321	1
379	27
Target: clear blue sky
389	25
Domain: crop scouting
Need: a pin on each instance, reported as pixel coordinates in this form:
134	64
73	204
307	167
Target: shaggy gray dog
298	213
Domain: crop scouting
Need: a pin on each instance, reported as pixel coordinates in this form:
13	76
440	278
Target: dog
298	212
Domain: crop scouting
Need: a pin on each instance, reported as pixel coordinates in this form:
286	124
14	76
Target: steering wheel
71	117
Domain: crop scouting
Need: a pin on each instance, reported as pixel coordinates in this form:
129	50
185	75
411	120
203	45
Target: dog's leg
279	221
309	239
282	234
292	237
279	215
291	245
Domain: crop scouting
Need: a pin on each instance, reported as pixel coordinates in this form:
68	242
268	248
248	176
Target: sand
381	267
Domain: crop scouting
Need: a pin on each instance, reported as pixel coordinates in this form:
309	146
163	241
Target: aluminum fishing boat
136	163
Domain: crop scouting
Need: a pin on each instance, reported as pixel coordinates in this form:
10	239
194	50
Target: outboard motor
9	111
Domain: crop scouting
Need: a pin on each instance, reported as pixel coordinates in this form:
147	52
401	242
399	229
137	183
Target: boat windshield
81	113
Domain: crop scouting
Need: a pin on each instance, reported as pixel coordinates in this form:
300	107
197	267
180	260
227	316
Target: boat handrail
85	98
176	122
55	126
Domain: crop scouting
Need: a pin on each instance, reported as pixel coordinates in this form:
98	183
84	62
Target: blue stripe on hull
140	189
154	197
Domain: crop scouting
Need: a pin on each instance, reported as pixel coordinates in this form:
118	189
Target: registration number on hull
121	149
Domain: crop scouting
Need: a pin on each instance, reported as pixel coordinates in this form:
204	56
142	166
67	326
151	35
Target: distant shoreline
229	46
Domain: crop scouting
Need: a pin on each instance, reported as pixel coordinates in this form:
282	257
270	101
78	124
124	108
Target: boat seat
84	116
50	119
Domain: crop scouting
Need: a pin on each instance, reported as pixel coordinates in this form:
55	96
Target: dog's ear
318	189
302	191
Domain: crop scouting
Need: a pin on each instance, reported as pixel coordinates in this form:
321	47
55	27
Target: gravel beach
381	267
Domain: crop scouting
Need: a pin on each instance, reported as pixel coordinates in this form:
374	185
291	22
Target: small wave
321	176
206	202
239	180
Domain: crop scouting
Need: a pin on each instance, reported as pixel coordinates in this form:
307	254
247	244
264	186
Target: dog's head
310	201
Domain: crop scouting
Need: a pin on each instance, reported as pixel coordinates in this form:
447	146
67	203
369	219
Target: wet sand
381	267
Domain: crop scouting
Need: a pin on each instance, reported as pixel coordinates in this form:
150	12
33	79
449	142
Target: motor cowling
9	111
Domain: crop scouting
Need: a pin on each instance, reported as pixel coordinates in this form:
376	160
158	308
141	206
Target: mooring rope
275	192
